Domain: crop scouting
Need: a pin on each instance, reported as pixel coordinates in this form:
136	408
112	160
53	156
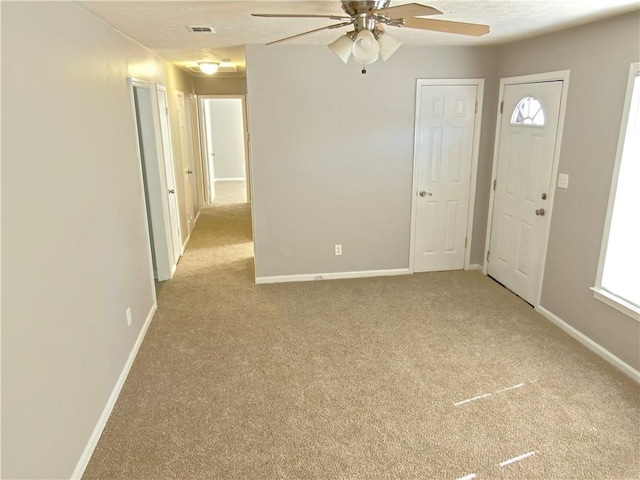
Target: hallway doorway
156	187
225	147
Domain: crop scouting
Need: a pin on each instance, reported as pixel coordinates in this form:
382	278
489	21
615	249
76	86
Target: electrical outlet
338	249
129	319
563	180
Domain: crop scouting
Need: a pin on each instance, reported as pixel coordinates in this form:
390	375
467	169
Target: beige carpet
428	376
230	192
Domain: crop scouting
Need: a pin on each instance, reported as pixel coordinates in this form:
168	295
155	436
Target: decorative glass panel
528	112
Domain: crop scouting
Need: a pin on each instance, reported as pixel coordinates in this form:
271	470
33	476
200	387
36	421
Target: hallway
182	374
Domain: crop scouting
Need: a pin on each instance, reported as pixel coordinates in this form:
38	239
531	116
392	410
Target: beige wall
220	85
332	154
598	56
74	243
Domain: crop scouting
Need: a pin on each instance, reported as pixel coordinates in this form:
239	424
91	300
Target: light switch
563	180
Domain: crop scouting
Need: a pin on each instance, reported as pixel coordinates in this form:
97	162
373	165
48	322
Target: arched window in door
528	112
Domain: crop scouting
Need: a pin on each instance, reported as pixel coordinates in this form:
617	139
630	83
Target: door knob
172	191
189	172
540	212
425	194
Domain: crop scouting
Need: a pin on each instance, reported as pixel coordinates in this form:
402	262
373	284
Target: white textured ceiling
160	25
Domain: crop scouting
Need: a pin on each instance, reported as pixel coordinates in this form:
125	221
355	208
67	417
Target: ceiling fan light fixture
365	48
208	68
368	39
388	46
342	47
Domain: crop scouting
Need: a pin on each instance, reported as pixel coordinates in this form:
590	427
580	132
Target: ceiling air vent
201	29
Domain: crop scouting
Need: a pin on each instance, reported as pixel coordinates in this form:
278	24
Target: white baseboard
186	242
590	344
232	179
307	277
106	413
195	220
475	266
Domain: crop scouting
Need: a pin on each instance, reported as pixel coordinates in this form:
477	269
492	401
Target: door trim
475	152
563	76
245	124
132	83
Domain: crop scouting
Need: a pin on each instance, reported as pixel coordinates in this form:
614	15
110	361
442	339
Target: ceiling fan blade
408	10
330	27
472	29
294	15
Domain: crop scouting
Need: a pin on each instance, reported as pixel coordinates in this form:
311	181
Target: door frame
475	153
563	76
203	139
160	236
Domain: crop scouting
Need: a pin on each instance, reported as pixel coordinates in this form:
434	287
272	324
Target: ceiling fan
369	40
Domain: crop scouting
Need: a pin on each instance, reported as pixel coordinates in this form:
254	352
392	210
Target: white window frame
598	292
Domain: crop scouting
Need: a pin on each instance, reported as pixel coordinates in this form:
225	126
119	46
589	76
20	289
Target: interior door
169	170
526	149
187	167
206	148
194	128
444	149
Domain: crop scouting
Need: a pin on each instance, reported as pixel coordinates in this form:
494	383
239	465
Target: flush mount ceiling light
208	68
368	40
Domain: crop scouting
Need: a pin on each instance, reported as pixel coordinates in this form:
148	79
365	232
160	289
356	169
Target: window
528	112
618	280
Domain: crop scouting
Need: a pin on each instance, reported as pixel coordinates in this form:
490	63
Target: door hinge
488	252
495	180
166	109
476	107
465	242
501	106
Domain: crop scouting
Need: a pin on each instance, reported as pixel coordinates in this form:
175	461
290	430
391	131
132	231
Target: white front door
520	221
444	151
187	167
